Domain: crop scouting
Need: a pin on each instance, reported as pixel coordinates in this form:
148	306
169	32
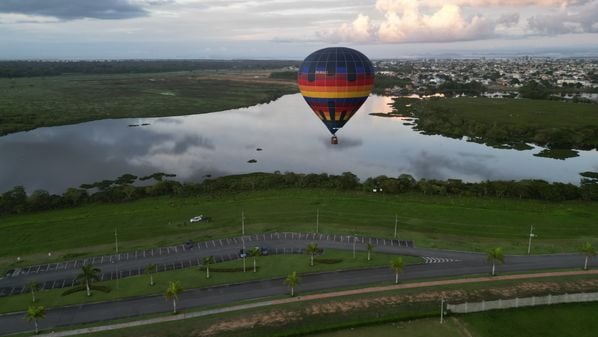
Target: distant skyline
291	29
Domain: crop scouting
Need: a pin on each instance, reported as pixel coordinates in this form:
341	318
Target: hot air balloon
335	82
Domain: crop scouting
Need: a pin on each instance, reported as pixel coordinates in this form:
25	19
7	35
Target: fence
466	307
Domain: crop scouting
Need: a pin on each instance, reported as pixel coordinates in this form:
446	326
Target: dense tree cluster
128	187
451	88
53	68
535	90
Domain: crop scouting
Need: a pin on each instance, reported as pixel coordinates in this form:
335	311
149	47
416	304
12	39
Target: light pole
116	241
441	310
396	224
354	243
317	220
243	240
116	246
531	235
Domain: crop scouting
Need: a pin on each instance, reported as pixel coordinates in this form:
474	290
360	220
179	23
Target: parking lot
179	257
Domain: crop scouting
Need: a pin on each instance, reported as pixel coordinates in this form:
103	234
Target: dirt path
287	316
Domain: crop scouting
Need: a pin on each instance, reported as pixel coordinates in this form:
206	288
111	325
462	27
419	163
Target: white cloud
508	20
360	30
583	19
509	3
404	21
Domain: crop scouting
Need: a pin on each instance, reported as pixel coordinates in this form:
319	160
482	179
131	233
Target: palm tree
172	293
151	269
312	249
493	256
292	281
207	261
588	250
34	288
34	313
89	274
255	252
370	248
397	265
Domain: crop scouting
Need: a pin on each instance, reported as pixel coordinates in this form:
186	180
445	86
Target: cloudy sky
91	29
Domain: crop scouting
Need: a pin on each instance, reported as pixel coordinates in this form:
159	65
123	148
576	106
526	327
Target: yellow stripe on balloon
338	94
335	88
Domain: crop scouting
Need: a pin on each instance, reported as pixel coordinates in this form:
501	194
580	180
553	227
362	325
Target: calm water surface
291	137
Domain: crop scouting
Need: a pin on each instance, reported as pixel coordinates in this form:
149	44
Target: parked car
198	218
242	253
264	250
189	244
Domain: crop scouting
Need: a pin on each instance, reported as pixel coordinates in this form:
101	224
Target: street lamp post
116	246
396	224
531	235
441	310
354	243
317	220
243	240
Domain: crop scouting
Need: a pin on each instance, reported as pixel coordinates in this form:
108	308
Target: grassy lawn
547	321
577	320
27	103
268	267
425	327
461	223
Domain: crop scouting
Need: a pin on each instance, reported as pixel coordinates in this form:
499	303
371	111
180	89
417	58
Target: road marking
430	260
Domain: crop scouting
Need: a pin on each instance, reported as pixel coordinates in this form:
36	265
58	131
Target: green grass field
268	267
504	112
578	320
510	123
548	321
425	327
463	223
27	103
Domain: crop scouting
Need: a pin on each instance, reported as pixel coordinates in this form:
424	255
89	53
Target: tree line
12	69
129	187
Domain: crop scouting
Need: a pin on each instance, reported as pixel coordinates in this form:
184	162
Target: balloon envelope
335	82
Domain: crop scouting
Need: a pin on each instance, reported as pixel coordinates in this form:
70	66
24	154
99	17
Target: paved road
468	263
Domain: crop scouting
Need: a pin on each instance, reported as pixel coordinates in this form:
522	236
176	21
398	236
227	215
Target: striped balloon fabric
335	82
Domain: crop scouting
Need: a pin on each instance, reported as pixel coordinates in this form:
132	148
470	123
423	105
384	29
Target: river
291	139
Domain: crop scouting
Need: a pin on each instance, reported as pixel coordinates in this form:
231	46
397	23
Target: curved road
449	263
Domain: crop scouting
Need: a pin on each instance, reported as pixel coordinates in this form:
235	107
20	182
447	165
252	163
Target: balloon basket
334	140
